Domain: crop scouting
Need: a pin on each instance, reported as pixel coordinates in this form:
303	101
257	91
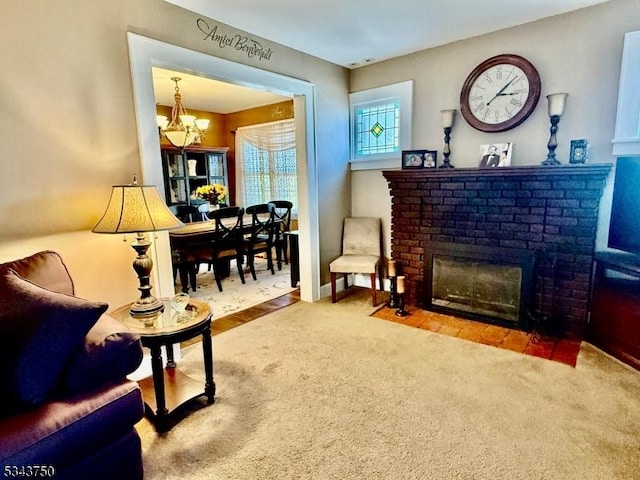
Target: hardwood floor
236	319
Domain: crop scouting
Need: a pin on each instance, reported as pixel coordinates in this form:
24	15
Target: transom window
380	125
378	129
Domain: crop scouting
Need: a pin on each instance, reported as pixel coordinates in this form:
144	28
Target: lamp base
551	161
446	164
147	305
551	146
446	151
150	308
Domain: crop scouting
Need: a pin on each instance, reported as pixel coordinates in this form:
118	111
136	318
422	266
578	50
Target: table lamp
138	209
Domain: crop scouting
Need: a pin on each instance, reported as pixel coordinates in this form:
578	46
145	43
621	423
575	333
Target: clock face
500	93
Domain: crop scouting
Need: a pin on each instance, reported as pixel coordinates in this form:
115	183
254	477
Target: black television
624	226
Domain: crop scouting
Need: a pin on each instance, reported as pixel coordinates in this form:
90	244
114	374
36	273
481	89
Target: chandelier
183	129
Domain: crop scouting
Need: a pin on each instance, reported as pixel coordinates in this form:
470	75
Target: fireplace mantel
533	170
548	209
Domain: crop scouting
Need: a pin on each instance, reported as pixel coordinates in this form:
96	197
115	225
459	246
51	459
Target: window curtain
266	163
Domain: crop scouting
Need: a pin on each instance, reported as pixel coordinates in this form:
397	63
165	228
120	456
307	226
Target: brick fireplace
551	211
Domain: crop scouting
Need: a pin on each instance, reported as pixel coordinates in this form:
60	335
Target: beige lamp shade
556	103
447	118
181	138
162	121
136	208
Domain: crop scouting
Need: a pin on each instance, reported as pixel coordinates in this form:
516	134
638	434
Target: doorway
146	53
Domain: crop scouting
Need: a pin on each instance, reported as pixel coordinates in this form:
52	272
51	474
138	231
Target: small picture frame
413	158
579	152
495	155
430	159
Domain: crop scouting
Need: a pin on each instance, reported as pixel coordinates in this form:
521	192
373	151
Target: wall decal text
252	48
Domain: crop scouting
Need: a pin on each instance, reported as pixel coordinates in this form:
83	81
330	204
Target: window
380	125
377	129
626	141
266	163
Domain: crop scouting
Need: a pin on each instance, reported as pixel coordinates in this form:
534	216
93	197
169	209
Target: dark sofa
67	410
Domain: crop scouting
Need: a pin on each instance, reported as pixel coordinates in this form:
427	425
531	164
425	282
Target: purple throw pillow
39	332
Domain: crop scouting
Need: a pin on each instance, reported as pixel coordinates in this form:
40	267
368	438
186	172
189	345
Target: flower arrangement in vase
213	193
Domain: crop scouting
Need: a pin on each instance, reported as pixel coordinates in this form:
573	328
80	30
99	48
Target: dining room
238	154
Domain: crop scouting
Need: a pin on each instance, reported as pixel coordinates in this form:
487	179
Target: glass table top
168	321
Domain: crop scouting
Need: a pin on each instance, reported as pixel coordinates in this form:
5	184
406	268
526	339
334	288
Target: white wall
578	53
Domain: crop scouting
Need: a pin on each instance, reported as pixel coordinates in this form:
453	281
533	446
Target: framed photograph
579	151
413	158
430	159
495	155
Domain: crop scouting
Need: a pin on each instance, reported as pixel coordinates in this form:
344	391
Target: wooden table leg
183	271
171	363
294	257
207	350
158	383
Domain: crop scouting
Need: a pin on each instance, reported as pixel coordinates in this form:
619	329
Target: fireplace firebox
490	284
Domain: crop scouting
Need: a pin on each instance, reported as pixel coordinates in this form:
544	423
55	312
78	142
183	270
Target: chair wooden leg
373	289
270	261
239	265
252	266
285	251
216	275
333	287
278	244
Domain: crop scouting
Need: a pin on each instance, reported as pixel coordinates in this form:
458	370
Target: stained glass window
381	123
377	129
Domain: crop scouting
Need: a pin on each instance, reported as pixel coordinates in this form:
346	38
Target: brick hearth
545	209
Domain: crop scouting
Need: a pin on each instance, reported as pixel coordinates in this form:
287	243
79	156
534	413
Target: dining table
196	234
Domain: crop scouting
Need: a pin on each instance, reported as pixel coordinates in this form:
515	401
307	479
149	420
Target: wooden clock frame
535	86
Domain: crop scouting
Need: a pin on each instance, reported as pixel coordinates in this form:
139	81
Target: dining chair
260	238
226	245
361	253
282	213
187	213
204	209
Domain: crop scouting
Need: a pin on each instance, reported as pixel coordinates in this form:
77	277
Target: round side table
168	388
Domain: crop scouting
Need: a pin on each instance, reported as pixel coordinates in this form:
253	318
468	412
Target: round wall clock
500	93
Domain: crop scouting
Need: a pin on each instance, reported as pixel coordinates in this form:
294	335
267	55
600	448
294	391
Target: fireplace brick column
548	209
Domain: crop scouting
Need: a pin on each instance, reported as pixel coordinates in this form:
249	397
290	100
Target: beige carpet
322	391
235	295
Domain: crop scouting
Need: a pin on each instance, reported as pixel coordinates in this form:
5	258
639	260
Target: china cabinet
185	170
